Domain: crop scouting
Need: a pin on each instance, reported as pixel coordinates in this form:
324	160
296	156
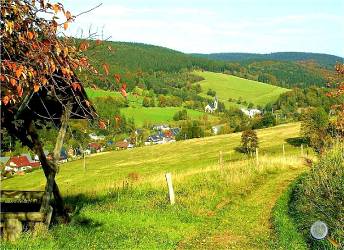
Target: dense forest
158	67
324	60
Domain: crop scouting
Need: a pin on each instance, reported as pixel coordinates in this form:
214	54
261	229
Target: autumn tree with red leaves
339	91
38	79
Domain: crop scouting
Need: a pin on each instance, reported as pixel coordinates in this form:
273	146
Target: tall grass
320	196
210	210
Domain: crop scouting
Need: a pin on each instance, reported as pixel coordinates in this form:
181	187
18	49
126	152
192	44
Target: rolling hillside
227	86
153	65
325	60
120	197
142	115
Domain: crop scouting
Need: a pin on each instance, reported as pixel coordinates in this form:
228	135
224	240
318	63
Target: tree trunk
50	168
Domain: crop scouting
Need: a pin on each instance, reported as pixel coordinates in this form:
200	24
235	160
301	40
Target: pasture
228	86
120	199
142	115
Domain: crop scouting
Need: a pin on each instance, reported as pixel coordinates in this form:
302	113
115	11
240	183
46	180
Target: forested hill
131	59
150	58
324	60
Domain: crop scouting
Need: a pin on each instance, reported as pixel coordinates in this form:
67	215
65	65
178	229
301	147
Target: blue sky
207	26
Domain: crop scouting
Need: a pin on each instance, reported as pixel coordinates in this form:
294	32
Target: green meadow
228	86
120	199
158	114
142	115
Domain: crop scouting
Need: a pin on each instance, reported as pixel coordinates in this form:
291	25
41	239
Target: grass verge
287	236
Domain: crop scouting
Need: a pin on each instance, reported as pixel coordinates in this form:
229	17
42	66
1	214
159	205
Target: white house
216	129
210	108
95	137
251	112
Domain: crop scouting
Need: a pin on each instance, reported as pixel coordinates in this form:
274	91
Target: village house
216	129
95	147
20	163
95	137
251	112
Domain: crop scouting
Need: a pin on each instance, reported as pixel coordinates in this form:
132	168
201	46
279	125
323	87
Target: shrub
211	92
181	115
320	196
249	141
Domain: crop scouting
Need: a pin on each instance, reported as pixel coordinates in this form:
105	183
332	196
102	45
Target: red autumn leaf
76	86
30	35
68	15
44	80
117	77
98	42
20	90
56	8
83	46
102	125
36	88
13	82
124	86
65	25
5	100
124	93
106	68
19	71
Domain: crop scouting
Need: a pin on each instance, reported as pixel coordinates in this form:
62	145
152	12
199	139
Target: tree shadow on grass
296	141
75	204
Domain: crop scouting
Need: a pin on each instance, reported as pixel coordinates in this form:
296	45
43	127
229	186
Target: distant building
211	108
95	147
95	137
20	163
162	127
216	129
251	112
122	145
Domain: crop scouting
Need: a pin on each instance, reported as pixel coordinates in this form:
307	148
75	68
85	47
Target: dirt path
245	222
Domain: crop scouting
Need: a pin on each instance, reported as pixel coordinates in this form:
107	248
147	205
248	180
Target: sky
210	26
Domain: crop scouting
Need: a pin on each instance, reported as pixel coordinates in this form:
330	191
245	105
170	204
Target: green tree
314	128
146	102
249	141
181	115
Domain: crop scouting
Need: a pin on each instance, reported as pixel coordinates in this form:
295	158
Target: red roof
95	146
22	161
122	144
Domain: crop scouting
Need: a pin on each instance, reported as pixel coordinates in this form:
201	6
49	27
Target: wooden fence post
170	188
257	156
84	161
301	149
221	160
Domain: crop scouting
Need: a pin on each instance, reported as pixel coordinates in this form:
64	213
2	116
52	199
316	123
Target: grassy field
153	115
216	207
228	86
158	114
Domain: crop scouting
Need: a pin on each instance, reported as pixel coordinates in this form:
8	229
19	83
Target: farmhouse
95	137
95	147
216	129
122	145
251	112
20	163
162	127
